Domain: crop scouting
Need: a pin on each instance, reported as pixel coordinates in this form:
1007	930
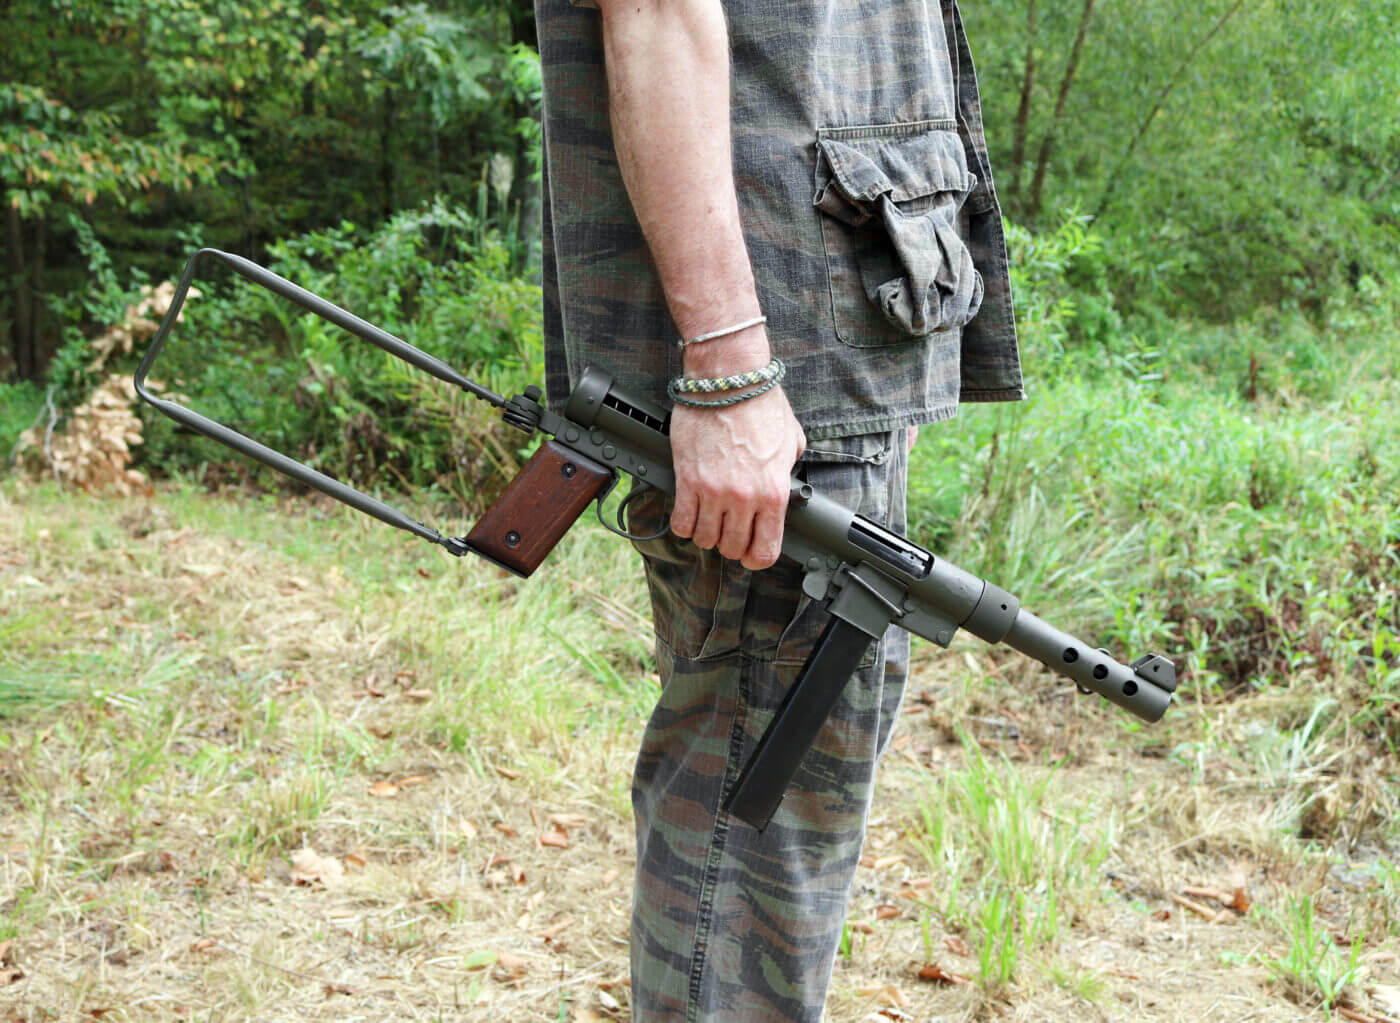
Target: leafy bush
1234	506
20	406
433	276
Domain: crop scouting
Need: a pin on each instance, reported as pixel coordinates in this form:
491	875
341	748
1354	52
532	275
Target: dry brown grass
300	768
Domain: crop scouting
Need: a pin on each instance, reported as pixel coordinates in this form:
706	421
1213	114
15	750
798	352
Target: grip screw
568	469
512	539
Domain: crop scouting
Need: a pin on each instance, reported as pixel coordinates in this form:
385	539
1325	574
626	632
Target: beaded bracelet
724	331
767	378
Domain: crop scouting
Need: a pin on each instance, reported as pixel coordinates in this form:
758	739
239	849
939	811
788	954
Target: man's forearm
668	75
668	90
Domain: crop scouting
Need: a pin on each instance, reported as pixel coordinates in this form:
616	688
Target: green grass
1013	858
1314	970
1245	519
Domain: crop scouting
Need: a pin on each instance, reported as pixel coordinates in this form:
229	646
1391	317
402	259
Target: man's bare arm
668	87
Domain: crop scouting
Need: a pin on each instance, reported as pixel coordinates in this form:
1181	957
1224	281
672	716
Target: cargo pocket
891	199
697	597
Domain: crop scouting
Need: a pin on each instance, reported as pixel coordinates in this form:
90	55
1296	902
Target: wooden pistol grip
537	508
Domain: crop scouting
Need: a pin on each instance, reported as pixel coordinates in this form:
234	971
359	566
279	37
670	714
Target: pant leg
728	923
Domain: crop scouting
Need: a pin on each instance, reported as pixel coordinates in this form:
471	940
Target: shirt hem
880	424
1004	394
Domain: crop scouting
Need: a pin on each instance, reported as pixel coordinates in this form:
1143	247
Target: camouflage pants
728	923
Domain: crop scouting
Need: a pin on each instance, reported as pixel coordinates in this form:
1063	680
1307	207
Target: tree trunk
39	355
22	323
386	163
1023	112
1047	144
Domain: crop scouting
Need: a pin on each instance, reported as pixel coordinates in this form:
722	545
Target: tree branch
1023	111
1161	100
1047	144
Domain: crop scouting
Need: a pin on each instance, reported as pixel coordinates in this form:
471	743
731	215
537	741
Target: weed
1314	971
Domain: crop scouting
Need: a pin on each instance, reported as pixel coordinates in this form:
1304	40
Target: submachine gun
866	577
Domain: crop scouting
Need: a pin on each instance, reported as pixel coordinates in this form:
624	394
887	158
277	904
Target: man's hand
733	471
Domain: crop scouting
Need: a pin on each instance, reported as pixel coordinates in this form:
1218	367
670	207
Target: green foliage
51	154
1235	505
255	121
434	276
1237	152
20	405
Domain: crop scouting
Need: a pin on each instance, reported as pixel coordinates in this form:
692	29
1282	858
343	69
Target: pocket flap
905	166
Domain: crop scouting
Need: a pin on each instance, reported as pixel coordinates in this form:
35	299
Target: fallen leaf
417	695
956	945
889	995
887	912
568	821
555	839
384	789
507	773
1240	903
863	926
610	877
411	780
505	829
935	974
480	960
553	931
510	967
203	945
356	861
10	972
1386	996
309	866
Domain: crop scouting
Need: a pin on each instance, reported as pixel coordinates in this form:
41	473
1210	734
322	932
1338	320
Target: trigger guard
621	528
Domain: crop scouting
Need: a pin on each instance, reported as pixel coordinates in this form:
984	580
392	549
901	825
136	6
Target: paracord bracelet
723	332
703	385
680	398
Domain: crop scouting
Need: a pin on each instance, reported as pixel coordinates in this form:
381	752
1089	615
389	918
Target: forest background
1203	208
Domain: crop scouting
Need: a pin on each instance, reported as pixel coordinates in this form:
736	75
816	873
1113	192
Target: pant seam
704	914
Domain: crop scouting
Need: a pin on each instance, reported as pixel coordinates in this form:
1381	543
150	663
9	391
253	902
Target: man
833	180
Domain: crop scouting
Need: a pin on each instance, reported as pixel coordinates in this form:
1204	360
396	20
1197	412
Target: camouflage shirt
866	199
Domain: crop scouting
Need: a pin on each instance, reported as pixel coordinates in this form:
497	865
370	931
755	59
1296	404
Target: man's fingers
683	514
737	533
708	523
767	541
